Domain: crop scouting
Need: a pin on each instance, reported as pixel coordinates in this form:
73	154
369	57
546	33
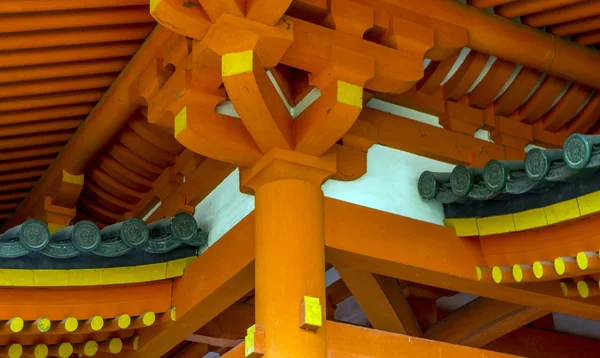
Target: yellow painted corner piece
236	63
350	94
72	178
252	348
498	224
463	227
312	315
562	211
589	203
180	121
155	3
530	219
175	268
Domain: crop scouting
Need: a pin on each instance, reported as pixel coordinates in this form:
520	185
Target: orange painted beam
407	249
426	140
214	281
382	300
50	86
216	136
503	38
176	16
40	72
85	302
101	125
537	343
482	321
345	340
543	244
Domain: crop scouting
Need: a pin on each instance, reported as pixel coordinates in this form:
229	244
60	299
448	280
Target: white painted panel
390	185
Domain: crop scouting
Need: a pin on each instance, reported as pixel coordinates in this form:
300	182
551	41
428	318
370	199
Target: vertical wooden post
290	250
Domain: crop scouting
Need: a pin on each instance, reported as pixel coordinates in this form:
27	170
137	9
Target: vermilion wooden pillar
290	248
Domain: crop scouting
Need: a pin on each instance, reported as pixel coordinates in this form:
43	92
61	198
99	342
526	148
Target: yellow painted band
236	63
71	324
16	324
583	289
350	94
65	350
15	350
44	324
40	351
93	277
497	274
559	266
115	345
123	321
517	273
148	319
90	348
97	323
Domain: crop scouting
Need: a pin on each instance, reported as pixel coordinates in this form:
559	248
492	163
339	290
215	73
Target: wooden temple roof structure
126	125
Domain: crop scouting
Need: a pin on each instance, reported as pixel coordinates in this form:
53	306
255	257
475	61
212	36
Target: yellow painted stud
135	343
589	203
40	351
90	348
236	63
483	273
350	94
43	324
15	324
115	345
96	323
542	269
463	227
14	350
530	219
563	211
72	178
501	274
498	224
123	321
586	258
583	289
564	288
173	314
180	122
565	264
64	350
522	272
70	324
148	319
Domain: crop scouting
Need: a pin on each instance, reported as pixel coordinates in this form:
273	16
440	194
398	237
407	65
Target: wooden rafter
382	300
482	321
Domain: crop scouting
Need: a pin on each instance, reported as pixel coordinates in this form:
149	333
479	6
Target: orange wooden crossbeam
481	321
345	340
530	342
382	300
